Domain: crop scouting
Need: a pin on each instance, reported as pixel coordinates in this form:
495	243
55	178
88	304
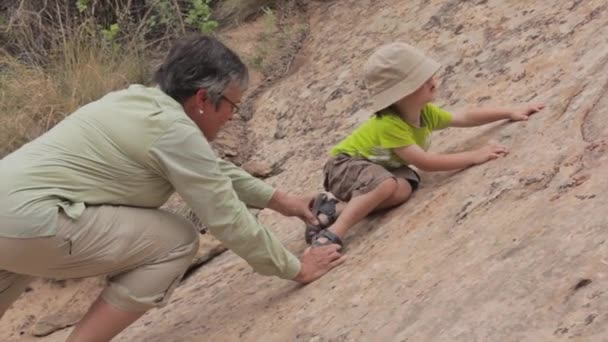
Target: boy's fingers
536	107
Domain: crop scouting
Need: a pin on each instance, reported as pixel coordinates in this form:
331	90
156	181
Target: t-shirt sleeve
185	158
436	117
394	133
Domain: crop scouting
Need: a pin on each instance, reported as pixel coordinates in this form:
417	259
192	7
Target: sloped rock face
513	250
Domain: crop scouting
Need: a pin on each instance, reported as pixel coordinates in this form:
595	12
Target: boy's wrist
473	157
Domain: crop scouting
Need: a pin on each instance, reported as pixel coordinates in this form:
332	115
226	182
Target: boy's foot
325	209
327	237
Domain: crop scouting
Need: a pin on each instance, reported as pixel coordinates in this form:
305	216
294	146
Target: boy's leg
369	186
401	194
360	206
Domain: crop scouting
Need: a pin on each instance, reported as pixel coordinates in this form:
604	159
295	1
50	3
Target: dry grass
57	59
234	12
285	29
55	62
35	97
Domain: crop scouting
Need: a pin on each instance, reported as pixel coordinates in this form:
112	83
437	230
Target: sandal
330	237
321	205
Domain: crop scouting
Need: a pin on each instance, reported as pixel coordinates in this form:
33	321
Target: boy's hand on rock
489	152
523	114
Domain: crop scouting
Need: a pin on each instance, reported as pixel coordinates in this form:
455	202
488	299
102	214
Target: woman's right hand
489	152
316	261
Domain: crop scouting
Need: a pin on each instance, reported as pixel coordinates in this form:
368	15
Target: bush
61	54
34	97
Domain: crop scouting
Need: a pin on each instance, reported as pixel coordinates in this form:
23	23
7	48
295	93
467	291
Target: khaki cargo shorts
143	253
347	177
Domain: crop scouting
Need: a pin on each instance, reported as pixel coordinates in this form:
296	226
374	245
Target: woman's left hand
291	205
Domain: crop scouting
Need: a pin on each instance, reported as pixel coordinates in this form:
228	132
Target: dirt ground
513	250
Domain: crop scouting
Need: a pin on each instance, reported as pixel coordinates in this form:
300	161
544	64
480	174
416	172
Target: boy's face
426	92
430	88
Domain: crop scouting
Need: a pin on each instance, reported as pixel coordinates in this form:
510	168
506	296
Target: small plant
165	13
277	43
199	16
267	42
82	5
110	34
270	19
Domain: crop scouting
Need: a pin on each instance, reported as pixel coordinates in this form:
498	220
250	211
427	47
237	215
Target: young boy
369	169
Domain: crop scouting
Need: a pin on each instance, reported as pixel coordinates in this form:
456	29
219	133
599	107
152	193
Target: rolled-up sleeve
185	158
254	192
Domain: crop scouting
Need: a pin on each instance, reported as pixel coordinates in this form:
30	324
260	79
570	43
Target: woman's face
215	117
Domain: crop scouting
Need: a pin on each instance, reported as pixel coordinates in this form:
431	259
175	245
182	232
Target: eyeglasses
235	108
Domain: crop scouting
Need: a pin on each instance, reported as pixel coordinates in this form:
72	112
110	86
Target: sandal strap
331	238
322	204
310	233
327	207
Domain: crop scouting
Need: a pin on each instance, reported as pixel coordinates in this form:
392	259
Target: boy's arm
428	161
481	116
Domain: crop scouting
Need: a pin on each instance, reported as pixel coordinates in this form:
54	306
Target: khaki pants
144	253
347	177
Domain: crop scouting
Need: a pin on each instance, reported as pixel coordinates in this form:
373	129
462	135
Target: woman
82	200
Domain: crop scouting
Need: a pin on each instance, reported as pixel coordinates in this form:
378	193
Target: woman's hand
317	261
291	205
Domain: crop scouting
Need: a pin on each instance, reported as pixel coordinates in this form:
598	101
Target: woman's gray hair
200	61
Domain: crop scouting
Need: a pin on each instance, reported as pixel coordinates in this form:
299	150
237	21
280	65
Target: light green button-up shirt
135	147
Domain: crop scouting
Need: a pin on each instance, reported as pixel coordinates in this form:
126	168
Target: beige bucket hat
394	71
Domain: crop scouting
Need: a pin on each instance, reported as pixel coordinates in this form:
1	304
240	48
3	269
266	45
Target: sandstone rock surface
513	250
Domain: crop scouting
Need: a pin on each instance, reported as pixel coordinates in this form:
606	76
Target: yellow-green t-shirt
375	139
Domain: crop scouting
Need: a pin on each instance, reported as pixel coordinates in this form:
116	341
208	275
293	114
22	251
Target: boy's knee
403	191
389	186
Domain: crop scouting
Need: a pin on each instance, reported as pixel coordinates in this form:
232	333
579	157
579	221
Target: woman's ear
201	98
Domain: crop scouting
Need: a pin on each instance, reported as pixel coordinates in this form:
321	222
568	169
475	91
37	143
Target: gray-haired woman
82	199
